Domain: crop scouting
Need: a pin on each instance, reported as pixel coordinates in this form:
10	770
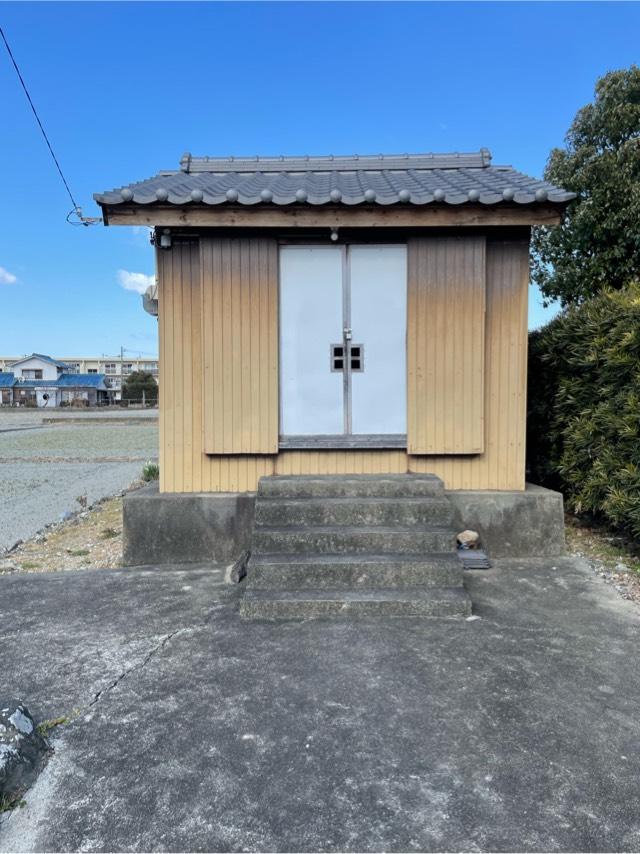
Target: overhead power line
77	210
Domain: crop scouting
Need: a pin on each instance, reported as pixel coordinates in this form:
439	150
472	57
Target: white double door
343	324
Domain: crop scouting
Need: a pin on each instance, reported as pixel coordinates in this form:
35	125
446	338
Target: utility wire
76	208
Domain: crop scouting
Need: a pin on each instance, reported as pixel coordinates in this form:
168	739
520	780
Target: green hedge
584	407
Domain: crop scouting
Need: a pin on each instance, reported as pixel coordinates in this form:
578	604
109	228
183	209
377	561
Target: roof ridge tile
416	179
434	160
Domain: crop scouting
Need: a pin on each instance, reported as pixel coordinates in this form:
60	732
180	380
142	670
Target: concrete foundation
179	528
513	524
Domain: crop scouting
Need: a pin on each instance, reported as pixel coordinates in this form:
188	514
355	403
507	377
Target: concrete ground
45	467
196	731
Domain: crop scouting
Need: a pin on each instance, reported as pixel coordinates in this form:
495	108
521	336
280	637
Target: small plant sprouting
109	533
45	727
9	802
150	471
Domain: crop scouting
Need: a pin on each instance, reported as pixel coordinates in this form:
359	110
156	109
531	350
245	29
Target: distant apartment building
114	368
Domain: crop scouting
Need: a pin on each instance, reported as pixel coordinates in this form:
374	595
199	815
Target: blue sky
124	89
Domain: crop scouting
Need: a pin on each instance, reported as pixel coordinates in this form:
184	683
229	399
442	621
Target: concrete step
350	486
352	540
301	572
307	604
424	510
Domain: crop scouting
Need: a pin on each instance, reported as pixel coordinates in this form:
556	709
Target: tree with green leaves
137	383
597	245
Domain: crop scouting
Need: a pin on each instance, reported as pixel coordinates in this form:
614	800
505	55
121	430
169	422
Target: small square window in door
356	356
337	357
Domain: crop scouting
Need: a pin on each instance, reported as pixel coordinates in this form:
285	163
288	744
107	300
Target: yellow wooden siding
184	467
180	368
445	345
239	281
502	465
341	462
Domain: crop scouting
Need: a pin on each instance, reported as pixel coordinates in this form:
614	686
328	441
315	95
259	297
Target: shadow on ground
196	731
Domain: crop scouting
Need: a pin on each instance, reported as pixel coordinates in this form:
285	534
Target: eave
333	216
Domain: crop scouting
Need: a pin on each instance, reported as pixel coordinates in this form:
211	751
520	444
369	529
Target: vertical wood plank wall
180	366
445	345
502	465
184	466
239	292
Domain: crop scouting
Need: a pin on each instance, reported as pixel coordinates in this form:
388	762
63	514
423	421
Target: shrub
584	407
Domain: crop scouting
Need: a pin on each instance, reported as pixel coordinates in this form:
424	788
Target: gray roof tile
385	180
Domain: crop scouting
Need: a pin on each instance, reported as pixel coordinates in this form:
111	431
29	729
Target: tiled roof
20	383
416	179
43	358
7	379
49	359
63	381
80	380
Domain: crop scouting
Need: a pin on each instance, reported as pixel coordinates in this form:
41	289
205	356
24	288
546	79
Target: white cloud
7	278
138	282
139	235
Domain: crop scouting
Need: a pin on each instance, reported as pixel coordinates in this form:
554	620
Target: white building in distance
114	368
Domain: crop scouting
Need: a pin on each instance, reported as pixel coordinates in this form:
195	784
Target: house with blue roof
7	381
39	380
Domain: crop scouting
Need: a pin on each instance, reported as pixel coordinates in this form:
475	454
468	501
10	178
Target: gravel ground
21	417
46	469
79	443
91	540
614	558
34	495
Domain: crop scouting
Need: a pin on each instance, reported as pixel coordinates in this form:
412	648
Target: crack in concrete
77	713
158	648
71	718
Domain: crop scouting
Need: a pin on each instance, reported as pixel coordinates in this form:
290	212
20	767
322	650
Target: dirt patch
615	558
91	540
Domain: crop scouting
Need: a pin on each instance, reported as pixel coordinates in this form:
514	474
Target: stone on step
352	540
298	572
307	604
350	486
422	510
468	539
